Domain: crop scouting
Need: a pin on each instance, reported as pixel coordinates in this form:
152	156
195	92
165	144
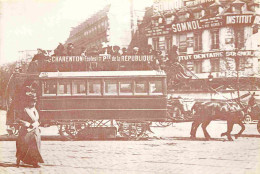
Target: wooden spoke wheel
70	130
133	130
163	124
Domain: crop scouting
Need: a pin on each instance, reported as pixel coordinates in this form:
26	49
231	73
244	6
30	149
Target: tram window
111	87
94	87
126	88
141	88
64	88
49	87
155	87
79	87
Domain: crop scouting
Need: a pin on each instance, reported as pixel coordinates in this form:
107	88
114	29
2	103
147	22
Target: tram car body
103	95
100	95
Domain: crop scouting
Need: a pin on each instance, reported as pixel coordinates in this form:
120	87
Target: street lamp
237	69
210	79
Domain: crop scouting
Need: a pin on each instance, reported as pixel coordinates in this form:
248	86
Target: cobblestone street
156	156
168	151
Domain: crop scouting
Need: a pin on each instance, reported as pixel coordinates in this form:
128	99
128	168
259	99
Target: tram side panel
101	108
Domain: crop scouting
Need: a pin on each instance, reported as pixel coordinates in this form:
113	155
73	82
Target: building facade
114	25
215	38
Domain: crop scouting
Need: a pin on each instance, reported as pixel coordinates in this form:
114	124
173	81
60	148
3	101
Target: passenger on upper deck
39	56
38	62
70	49
60	50
137	65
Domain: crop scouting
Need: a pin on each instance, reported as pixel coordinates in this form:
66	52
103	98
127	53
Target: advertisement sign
233	74
239	19
207	23
219	54
157	31
197	24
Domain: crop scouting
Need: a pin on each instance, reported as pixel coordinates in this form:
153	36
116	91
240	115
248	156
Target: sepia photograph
130	86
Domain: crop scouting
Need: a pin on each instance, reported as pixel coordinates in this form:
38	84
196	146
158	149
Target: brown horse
207	111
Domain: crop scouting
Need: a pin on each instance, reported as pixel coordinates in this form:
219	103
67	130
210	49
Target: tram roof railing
152	73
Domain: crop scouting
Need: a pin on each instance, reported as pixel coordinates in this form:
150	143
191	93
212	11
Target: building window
169	20
215	39
197	15
214	65
239	38
183	43
198	66
242	63
156	43
197	41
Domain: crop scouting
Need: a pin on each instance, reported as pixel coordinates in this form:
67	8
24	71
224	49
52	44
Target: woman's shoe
17	163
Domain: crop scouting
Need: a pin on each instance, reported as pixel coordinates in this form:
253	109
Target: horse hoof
223	134
192	137
230	139
208	138
236	136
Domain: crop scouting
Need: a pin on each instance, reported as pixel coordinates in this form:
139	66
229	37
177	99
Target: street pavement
169	150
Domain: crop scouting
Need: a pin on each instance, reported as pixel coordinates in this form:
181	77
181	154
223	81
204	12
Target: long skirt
28	146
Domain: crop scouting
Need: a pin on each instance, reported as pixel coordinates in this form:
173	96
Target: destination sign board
103	58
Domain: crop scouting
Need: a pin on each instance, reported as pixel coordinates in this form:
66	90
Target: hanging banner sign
219	54
197	24
239	19
103	58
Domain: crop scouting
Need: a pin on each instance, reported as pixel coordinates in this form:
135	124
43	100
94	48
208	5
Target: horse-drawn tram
95	103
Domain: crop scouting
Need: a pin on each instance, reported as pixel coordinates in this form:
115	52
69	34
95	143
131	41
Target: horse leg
241	131
224	133
229	130
194	128
204	128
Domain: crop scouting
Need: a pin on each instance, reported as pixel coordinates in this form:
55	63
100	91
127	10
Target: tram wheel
258	126
163	124
134	131
68	131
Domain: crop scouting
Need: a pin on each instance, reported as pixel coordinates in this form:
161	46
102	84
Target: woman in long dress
29	140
